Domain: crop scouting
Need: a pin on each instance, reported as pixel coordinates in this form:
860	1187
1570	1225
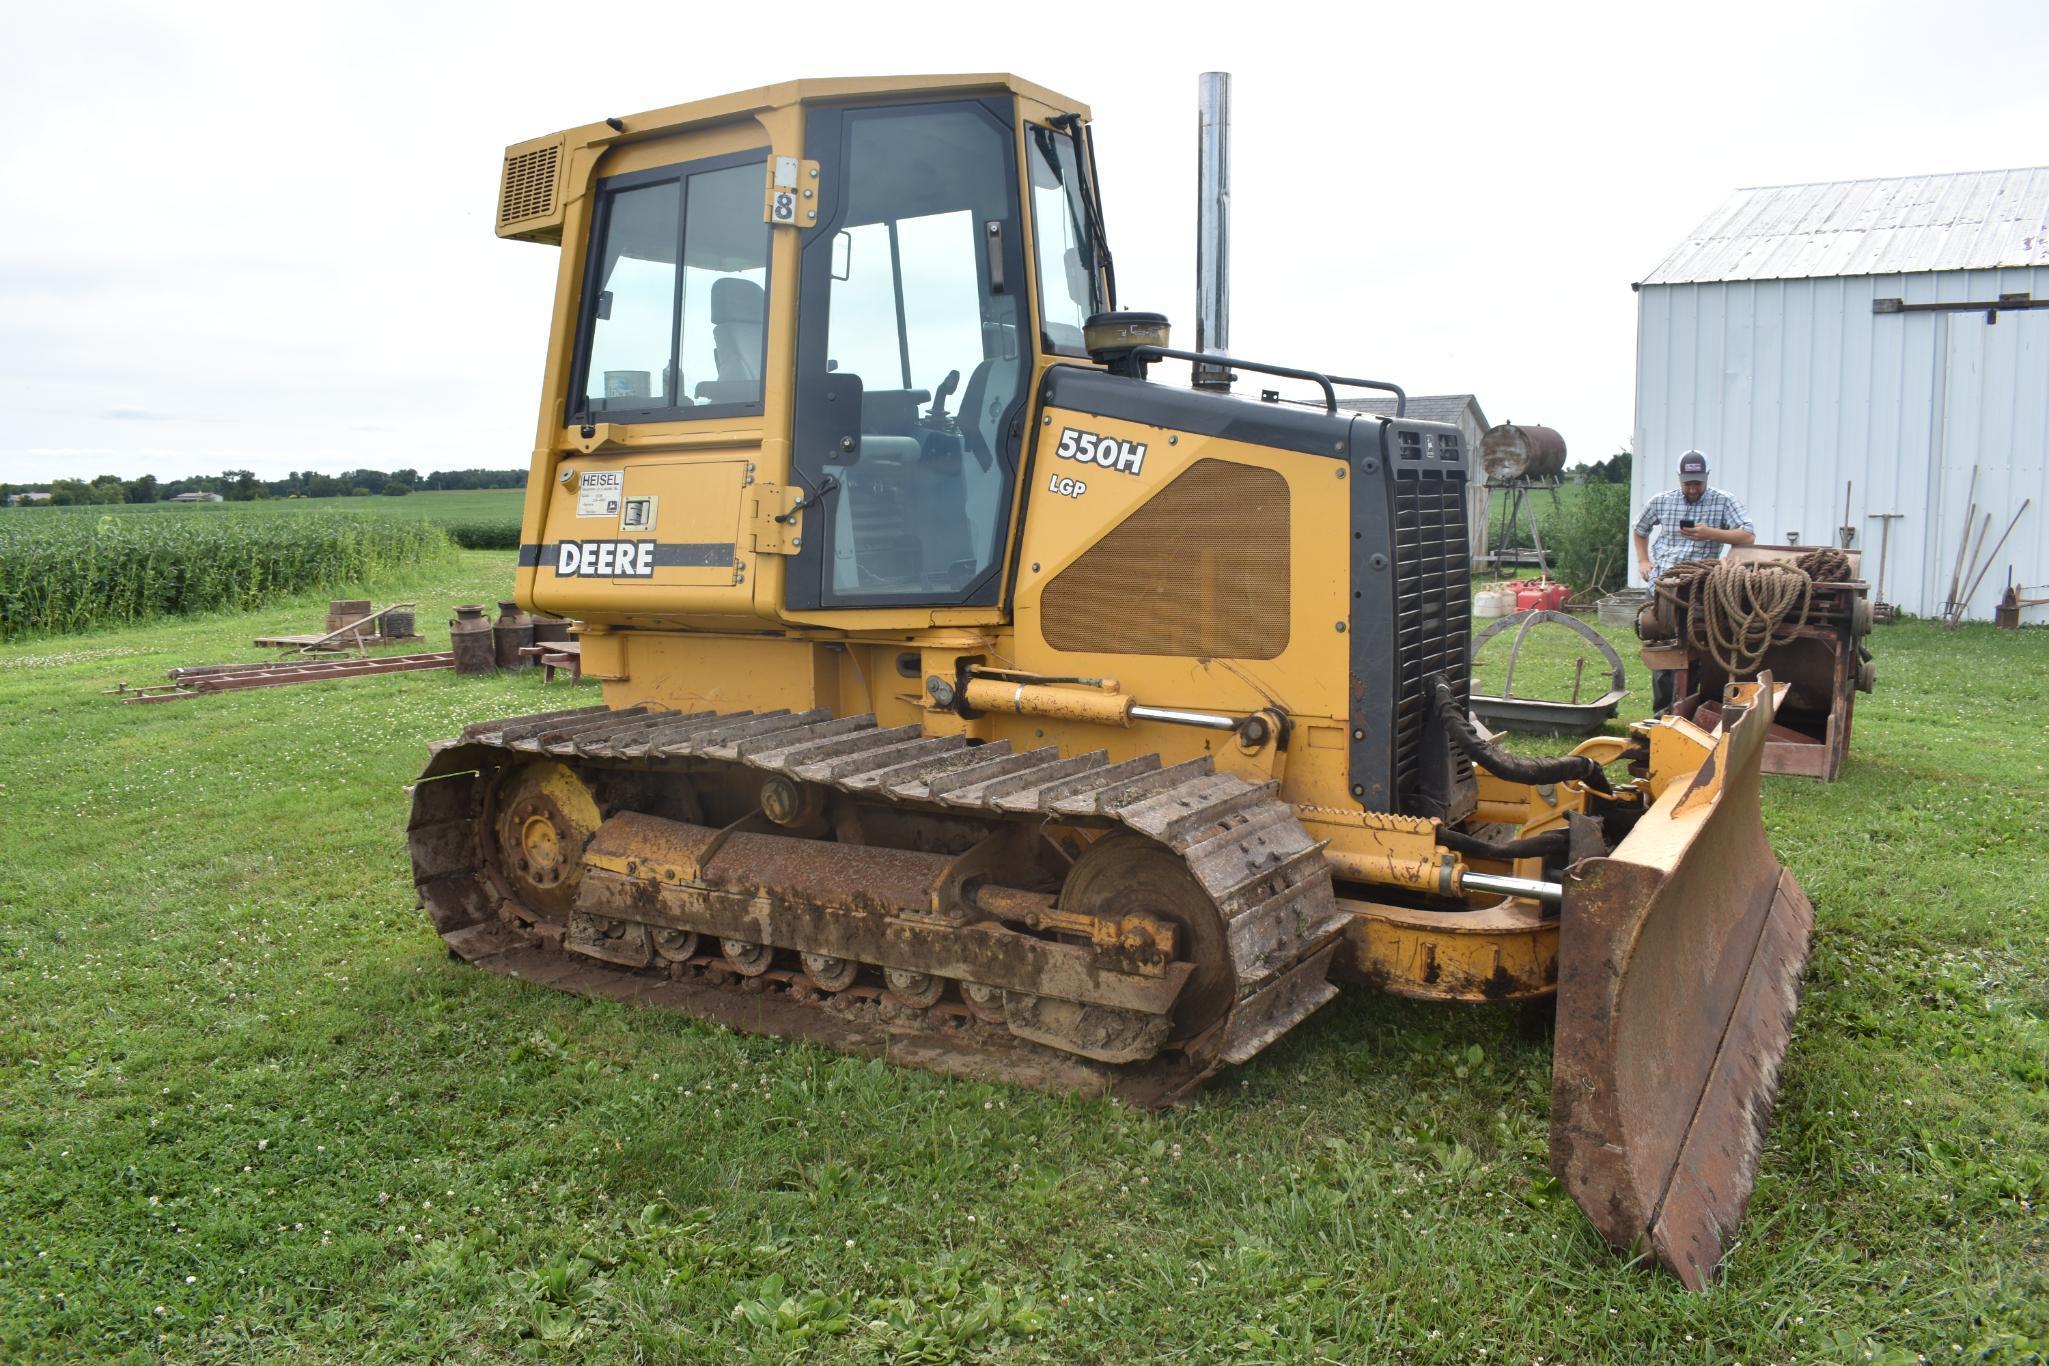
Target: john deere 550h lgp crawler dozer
974	699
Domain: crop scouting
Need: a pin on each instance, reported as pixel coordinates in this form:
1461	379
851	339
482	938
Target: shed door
1994	415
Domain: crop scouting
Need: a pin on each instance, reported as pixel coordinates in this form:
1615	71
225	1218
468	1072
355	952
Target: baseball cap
1692	465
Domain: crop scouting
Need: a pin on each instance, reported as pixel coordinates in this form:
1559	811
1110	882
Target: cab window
675	302
1066	255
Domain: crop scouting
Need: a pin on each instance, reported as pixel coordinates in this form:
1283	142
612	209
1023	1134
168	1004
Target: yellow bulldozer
974	698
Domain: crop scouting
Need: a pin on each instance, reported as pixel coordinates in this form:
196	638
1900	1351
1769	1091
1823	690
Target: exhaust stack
1213	228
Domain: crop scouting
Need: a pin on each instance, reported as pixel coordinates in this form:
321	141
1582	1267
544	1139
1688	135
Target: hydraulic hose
1552	844
1498	761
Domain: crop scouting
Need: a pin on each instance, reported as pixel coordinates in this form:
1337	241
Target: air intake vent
529	187
1200	570
1433	607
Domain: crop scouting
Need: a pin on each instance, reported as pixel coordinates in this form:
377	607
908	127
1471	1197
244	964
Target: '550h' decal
1086	448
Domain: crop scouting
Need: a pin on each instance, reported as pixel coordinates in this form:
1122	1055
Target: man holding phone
1694	522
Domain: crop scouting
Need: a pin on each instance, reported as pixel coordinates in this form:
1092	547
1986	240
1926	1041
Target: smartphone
1687	524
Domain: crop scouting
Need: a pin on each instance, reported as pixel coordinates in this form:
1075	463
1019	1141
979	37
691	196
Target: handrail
1401	397
1330	397
1323	381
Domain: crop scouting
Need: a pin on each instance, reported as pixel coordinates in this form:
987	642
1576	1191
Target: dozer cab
973	698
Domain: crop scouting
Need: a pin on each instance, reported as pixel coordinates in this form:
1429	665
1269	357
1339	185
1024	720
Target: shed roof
1968	220
1423	407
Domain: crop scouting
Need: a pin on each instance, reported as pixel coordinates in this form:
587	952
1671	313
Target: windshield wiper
1084	141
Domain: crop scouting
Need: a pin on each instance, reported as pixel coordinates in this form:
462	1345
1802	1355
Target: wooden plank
279	676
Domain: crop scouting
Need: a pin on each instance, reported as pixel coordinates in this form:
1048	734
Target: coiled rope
1737	610
1826	565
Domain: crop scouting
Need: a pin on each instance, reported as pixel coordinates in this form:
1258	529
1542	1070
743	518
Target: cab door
913	356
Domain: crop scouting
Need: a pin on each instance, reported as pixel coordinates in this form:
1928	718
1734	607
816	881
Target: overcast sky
261	236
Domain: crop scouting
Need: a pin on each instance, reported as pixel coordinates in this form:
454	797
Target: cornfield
76	572
500	533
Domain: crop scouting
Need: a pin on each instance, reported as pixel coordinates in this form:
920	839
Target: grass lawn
249	1108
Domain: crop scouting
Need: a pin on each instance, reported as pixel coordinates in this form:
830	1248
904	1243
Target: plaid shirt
1671	545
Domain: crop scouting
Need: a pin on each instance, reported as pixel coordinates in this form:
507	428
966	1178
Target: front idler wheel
542	817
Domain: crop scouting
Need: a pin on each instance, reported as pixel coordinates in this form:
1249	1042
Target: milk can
469	635
513	631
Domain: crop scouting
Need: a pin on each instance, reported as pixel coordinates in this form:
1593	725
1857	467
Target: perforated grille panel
1433	603
1200	569
528	190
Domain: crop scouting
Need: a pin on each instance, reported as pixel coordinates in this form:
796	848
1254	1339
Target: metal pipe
1204	719
1956	575
1195	358
903	318
1213	227
1550	893
1972	591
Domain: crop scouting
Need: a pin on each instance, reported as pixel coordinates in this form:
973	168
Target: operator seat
970	416
737	310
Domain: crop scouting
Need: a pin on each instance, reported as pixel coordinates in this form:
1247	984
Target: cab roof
720	108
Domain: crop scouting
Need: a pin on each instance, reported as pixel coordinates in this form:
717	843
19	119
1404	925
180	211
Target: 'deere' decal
605	559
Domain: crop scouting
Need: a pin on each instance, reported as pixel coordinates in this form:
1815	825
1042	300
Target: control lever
945	392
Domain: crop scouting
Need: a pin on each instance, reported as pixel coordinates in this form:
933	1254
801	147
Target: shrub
1587	538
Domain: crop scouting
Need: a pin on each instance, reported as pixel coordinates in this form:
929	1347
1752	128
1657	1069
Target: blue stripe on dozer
668	554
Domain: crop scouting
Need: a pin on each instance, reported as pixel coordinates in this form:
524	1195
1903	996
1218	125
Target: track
1263	881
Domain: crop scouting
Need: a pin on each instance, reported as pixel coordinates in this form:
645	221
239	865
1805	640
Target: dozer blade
1680	958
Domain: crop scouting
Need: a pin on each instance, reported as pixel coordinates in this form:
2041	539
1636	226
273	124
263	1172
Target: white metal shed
1885	335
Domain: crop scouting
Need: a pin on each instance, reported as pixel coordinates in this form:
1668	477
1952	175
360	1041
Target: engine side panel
1184	545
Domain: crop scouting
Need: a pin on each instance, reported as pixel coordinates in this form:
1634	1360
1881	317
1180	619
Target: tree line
242	486
1613	470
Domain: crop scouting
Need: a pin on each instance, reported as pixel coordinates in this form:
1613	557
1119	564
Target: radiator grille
1433	605
528	190
1200	570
